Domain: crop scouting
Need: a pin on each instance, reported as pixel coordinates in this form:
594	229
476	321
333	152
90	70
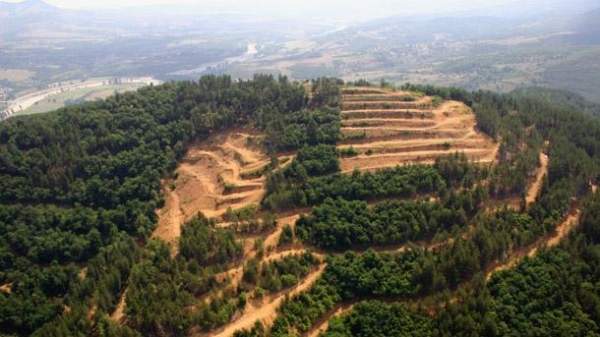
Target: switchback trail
266	310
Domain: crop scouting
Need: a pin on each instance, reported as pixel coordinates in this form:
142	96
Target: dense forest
553	294
79	188
77	185
340	224
526	126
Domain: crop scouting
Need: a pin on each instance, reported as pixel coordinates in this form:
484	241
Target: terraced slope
387	128
225	172
214	176
399	129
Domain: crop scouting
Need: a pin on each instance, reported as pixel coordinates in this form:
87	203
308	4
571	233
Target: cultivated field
61	99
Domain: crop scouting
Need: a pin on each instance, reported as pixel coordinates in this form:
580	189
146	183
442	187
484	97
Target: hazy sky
349	8
430	5
334	9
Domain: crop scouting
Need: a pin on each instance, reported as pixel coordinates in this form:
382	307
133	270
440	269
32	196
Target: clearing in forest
219	173
388	128
226	171
323	324
265	311
119	313
548	241
536	185
6	288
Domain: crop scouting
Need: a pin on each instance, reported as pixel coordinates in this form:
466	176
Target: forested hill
79	186
565	99
79	190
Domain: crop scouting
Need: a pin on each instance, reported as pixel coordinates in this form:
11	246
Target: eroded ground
215	175
385	128
388	128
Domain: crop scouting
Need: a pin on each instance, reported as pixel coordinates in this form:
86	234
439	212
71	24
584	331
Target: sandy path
386	102
389	122
272	240
362	91
536	186
266	311
418	145
119	314
236	273
323	324
6	288
550	240
170	220
391	160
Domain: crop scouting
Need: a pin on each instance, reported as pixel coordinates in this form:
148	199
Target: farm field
74	96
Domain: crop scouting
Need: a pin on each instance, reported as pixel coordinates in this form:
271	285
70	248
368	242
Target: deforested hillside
387	128
275	208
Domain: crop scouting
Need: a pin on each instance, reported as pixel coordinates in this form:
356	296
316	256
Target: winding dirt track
550	240
323	324
219	173
536	186
396	132
119	314
209	180
266	310
386	131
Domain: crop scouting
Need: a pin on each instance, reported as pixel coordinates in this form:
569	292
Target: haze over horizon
352	10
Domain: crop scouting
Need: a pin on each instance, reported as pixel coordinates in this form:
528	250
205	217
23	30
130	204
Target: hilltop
270	207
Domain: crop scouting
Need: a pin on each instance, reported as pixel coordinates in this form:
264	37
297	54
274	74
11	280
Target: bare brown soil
211	177
362	91
6	288
550	240
388	122
432	303
270	242
387	113
387	132
119	314
209	181
323	324
395	146
536	185
265	311
385	104
396	96
384	160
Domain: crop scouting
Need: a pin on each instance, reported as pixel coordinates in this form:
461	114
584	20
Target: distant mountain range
36	19
28	7
526	43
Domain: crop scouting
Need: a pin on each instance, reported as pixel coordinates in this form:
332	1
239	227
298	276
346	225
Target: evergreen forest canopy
79	188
